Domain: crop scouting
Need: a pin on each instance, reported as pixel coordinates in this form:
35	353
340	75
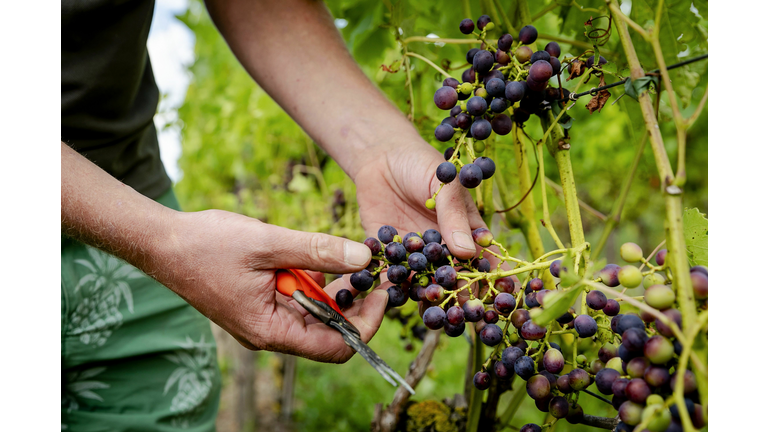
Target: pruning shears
302	288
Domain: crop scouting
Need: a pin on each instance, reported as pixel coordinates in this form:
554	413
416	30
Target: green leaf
557	304
695	230
629	89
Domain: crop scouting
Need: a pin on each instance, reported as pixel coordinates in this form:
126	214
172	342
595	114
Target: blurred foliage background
243	153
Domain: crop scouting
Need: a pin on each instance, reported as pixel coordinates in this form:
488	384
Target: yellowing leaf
695	230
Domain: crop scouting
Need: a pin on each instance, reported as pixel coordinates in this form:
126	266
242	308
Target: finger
453	219
312	251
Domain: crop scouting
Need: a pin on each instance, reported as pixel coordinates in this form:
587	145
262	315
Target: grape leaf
695	230
556	304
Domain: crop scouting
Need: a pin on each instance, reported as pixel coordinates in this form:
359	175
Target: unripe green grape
630	276
466	89
424	279
659	350
654	399
631	413
430	204
397	239
615	364
653	279
479	146
489	26
660	417
483	93
581	359
631	252
659	296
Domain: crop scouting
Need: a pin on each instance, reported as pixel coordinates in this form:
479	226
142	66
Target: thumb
286	248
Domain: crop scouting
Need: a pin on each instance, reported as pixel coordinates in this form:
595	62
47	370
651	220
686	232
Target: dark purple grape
501	57
700	285
604	380
344	298
453	83
673	315
466	26
637	366
616	401
514	91
499	105
471	54
630	413
481	129
553	49
510	355
387	234
538	387
628	321
450	121
463	120
483	21
555	268
487	166
473	310
619	387
455	315
505	284
612	307
446	172
395	253
434	293
596	300
689	381
491	75
432	236
397	297
523	54
637	390
556	67
482	265
656	376
491	317
502	372
491	335
446	276
575	414
689	406
417	262
553	361
413	292
609	275
585	325
444	132
591	61
558	407
397	274
434	317
482	62
504	303
413	242
468	76
374	245
446	97
615	323
470	176
661	257
421	293
505	42
433	252
607	352
530	300
634	339
530	427
362	280
449	152
564	384
535	85
566	318
525	367
482	380
539	55
532	331
627	355
477	106
454	330
528	35
495	87
501	124
519	317
578	379
700	269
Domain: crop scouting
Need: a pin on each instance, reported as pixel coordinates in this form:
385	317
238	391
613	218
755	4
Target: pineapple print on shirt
193	380
101	291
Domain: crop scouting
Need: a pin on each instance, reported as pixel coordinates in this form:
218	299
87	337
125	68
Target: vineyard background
242	153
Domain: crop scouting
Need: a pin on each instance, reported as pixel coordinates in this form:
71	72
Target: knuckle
320	246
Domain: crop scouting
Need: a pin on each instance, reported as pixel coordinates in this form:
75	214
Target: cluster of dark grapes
636	360
502	77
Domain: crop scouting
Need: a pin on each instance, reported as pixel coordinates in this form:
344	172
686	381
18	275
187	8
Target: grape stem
427	61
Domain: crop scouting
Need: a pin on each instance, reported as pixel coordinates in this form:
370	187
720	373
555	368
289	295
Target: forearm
100	211
293	50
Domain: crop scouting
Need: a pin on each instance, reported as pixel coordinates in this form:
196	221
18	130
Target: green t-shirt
108	92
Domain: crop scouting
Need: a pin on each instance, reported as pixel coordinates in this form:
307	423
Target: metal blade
371	357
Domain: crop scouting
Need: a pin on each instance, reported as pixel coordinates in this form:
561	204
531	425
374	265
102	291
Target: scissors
302	288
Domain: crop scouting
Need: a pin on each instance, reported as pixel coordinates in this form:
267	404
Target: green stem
429	62
504	18
475	396
544	204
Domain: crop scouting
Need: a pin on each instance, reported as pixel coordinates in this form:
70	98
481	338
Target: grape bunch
505	83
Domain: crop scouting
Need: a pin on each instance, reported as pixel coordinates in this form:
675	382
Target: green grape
630	276
653	279
479	146
659	296
431	204
631	252
654	399
660	417
615	364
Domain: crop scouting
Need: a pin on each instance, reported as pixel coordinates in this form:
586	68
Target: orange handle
290	280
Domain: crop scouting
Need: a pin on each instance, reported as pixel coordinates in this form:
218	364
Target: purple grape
446	172
659	349
483	21
591	61
473	310
656	376
395	253
532	331
482	236
453	83
344	298
374	245
578	379
499	105
627	355
466	26
482	265
530	427
491	335
502	372
630	413
607	352
417	262
433	252
471	54
491	75
491	317
539	55
553	49
387	234
446	97
575	414
434	317
463	121
521	116
505	42
482	380
596	300
454	330
525	367
397	297
535	85
501	57
510	355
673	315
450	121
487	166
361	280
501	124
528	35
504	303
505	284
564	384
432	236
609	275
519	317
514	91
481	129
413	242
637	366
637	390
634	339
566	318
700	269
556	66
530	300
477	106
468	76
619	386
434	293
397	274
612	308
470	176
449	152
413	292
455	315
538	387
421	293
553	361
559	407
444	132
555	268
604	380
482	62
700	285
495	87
446	276
585	325
628	321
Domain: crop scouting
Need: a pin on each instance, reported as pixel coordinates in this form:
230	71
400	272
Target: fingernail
356	254
463	241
